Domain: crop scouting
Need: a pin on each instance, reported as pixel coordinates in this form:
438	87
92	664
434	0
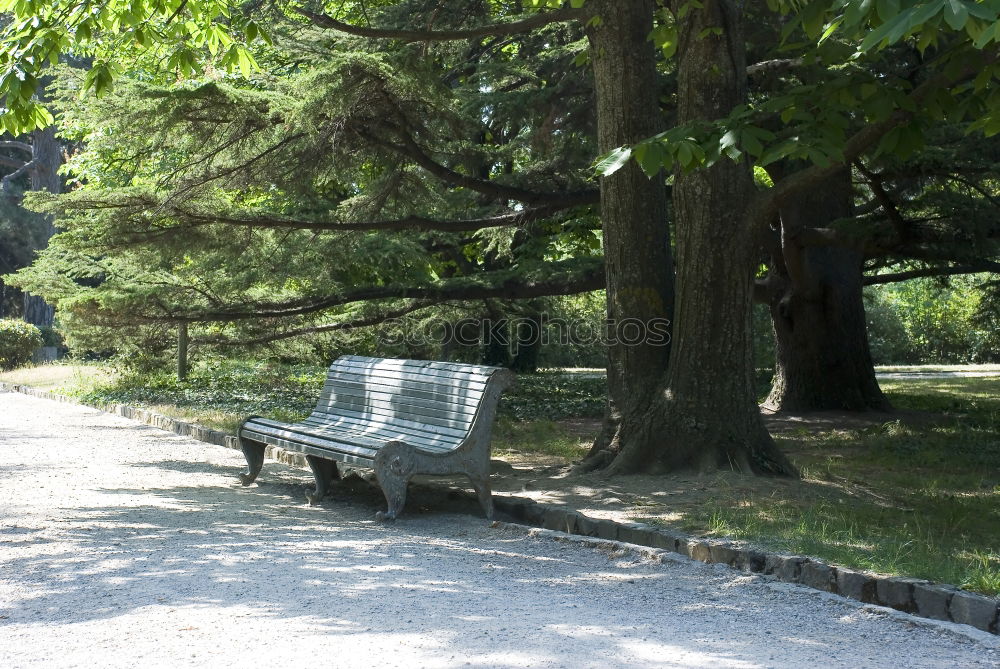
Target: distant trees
30	162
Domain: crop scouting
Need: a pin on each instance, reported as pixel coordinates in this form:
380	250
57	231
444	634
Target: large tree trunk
705	416
46	156
633	215
527	335
816	302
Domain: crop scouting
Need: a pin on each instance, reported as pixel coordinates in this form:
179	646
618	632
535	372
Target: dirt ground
668	499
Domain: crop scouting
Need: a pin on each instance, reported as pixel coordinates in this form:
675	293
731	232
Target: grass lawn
915	493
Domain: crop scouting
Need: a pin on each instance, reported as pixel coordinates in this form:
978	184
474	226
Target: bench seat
398	417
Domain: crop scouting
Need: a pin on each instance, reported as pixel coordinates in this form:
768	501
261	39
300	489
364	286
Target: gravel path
121	544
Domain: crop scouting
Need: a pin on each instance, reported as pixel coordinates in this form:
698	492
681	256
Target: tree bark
705	415
182	351
816	301
46	156
638	262
527	336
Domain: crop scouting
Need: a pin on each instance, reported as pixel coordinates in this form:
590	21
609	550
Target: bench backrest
433	405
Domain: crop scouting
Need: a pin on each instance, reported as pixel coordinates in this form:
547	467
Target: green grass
538	437
60	377
551	395
918	496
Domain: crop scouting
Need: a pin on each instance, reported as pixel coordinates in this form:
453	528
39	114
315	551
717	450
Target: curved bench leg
323	471
254	453
394	489
482	486
394	466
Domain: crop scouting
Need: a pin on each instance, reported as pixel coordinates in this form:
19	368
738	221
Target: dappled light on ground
143	547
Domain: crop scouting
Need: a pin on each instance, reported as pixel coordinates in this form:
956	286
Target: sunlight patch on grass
60	377
917	496
538	437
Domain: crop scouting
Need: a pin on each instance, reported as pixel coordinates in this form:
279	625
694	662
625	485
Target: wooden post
182	351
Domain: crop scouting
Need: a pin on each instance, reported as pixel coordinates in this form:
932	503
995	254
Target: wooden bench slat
439	403
469	398
436	375
367	416
410	433
389	411
448	368
344	438
385	433
290	437
425	383
405	403
334	437
471	392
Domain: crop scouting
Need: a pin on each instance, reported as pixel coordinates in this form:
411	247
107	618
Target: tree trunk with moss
638	261
822	359
704	415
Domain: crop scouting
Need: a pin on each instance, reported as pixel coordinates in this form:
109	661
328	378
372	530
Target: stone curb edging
914	596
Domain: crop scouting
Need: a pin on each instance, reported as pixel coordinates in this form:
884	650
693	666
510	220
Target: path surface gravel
122	545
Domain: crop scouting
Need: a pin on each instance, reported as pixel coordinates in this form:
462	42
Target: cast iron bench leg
394	465
324	471
254	453
482	487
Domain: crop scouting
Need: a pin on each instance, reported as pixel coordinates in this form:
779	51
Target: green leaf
992	33
246	62
955	14
650	156
613	161
830	29
752	144
887	9
685	155
992	126
857	11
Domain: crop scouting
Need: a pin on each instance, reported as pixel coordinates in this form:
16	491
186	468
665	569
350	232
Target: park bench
398	417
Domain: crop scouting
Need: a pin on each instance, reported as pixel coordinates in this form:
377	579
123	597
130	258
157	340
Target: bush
932	320
18	340
52	337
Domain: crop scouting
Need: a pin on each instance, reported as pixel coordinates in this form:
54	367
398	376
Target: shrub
52	337
18	340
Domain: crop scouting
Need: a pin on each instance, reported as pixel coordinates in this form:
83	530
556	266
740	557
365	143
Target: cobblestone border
914	596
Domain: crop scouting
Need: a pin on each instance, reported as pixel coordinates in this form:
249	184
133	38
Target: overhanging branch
769	201
409	147
976	268
558	278
342	326
492	30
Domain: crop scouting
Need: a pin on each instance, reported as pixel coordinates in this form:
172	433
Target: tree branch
12	163
190	219
411	149
983	266
368	321
772	66
874	180
559	278
769	201
6	182
14	144
496	29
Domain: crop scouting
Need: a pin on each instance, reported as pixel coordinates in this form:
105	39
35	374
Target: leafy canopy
901	64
